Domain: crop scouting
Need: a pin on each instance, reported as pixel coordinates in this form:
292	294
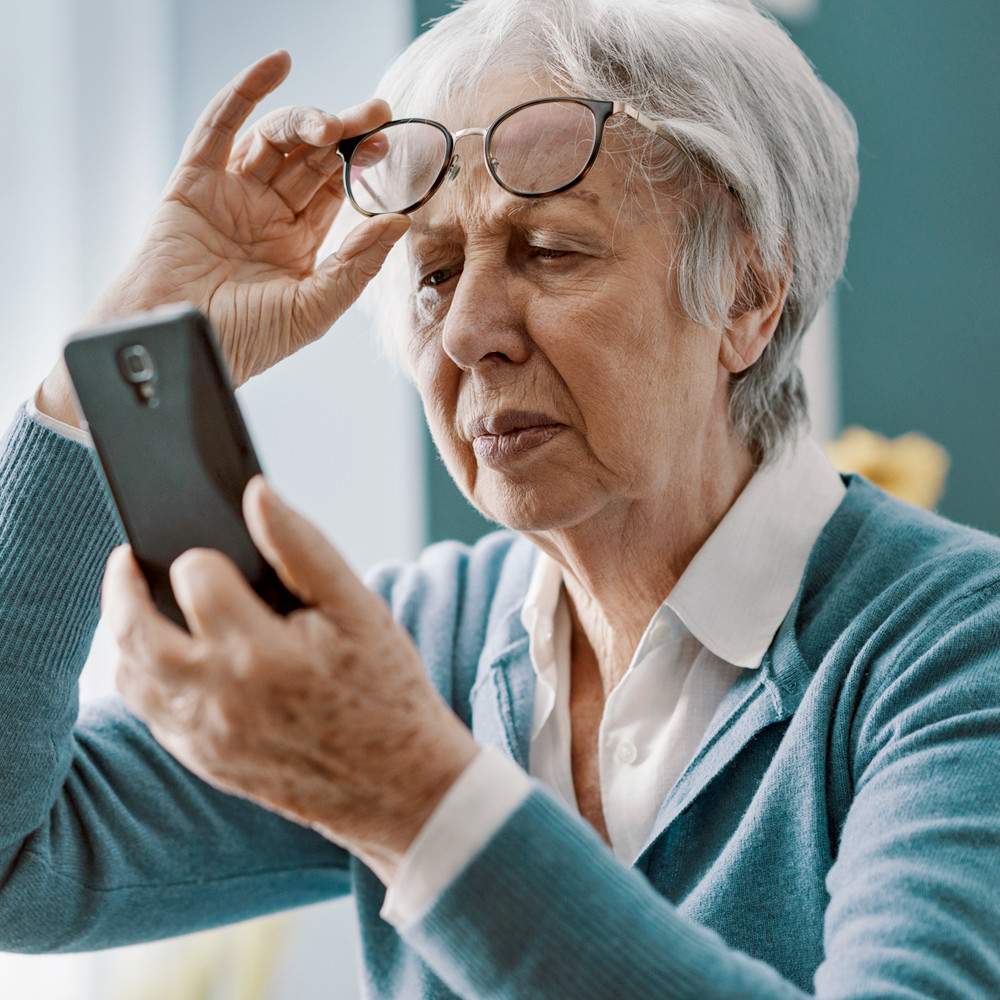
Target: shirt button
626	752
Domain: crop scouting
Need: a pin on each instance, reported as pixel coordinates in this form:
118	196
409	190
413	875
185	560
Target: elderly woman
706	720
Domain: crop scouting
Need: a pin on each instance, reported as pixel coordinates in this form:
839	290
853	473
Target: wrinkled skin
564	305
325	716
238	229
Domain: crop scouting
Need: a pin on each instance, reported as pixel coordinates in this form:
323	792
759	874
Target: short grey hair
760	146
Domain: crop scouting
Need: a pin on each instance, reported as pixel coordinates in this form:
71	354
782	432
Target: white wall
98	99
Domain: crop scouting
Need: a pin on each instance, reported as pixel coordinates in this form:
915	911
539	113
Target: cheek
437	381
635	371
597	345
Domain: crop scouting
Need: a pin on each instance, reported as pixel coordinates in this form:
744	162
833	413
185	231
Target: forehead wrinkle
510	210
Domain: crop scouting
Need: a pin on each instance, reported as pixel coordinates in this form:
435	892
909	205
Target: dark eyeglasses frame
602	111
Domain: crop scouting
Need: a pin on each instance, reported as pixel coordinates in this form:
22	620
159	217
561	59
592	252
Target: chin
525	506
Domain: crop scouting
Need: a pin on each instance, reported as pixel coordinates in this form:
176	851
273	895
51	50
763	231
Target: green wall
918	337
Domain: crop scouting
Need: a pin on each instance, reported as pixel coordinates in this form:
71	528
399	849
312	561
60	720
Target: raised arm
104	838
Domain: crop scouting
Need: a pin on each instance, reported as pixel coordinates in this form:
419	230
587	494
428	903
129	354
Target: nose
483	324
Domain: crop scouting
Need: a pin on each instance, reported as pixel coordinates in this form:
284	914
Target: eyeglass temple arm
646	122
638	116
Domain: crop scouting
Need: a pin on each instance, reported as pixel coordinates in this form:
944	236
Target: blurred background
98	98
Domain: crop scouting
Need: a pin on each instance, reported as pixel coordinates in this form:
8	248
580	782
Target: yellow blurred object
911	466
228	963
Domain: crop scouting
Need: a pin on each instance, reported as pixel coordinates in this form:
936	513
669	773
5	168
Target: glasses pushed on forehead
535	149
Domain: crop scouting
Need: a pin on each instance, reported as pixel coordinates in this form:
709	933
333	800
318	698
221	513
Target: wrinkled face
558	375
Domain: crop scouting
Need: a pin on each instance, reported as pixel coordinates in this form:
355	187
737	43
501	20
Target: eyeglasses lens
393	169
543	147
538	149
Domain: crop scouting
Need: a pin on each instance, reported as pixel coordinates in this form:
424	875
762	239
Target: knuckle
275	126
300	120
128	633
365	269
219	725
242	660
323	161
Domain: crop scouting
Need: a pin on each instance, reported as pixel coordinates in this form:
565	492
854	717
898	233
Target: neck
621	564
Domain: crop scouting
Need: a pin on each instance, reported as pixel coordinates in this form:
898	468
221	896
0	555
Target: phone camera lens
136	364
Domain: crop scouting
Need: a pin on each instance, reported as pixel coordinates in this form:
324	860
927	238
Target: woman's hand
325	716
238	229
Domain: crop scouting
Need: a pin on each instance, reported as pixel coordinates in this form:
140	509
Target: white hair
759	146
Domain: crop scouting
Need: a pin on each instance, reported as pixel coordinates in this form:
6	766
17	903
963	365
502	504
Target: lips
510	420
500	437
497	449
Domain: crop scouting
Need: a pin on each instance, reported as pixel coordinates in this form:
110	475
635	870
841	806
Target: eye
436	278
547	253
444	274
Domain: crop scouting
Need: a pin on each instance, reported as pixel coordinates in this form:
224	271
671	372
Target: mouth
500	449
509	421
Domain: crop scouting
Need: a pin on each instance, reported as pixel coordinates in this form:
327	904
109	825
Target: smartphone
156	395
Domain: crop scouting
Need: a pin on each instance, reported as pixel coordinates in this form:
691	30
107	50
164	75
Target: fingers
294	149
319	214
132	617
306	562
214	595
306	171
282	132
337	281
211	139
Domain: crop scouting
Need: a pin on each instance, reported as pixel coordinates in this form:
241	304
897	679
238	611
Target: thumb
340	278
300	554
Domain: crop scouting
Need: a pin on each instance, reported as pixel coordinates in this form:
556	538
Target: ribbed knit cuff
57	528
546	910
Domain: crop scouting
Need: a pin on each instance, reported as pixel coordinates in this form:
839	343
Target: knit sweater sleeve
545	910
105	839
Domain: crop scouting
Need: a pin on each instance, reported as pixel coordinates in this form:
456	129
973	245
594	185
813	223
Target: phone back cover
177	469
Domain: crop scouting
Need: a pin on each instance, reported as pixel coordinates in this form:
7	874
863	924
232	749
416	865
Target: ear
754	314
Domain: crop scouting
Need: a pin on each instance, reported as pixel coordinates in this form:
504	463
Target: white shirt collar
736	591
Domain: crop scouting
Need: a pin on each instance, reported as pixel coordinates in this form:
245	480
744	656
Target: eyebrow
518	208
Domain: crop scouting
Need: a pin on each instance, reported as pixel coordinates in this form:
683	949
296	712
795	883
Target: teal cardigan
837	832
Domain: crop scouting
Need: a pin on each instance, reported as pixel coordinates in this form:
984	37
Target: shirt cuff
483	798
66	430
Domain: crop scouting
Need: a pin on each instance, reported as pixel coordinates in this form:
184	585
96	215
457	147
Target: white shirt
718	620
66	430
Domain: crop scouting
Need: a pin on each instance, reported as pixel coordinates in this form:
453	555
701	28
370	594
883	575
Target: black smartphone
156	396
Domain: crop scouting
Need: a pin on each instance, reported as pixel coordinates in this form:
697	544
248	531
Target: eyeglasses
535	149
